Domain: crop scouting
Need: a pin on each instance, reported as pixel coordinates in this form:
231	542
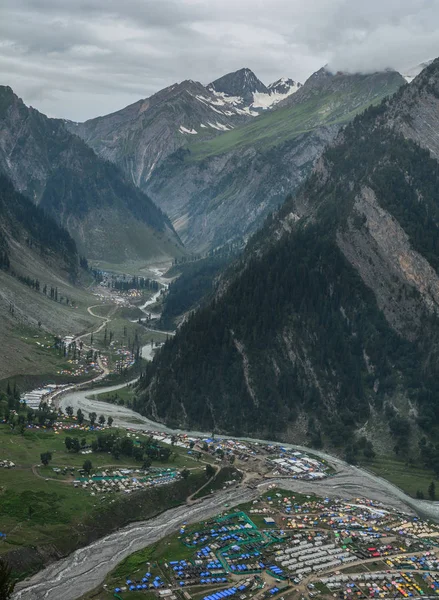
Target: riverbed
348	482
85	569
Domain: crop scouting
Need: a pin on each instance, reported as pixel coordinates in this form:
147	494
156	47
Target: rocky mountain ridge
221	189
108	217
141	136
243	83
412	72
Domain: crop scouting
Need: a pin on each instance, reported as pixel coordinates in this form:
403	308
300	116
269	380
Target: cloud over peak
82	59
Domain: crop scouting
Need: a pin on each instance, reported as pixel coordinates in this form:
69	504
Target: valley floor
46	514
45	517
283	544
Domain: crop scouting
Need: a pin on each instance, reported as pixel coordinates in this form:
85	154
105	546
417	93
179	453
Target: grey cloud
81	58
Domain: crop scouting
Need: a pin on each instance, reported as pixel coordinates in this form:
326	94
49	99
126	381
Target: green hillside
308	110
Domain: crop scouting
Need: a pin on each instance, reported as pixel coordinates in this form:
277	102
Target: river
348	482
80	572
73	576
85	569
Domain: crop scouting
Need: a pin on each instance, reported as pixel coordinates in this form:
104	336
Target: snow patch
246	111
151	168
219	126
223	127
264	101
203	100
184	130
228	99
216	102
214	126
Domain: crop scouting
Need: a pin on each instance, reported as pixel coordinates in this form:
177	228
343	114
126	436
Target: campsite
303	543
44	514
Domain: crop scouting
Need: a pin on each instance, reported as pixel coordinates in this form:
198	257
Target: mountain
242	83
219	159
36	255
220	189
411	73
141	136
108	217
244	90
327	330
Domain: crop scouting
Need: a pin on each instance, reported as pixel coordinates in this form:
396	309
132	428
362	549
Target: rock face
242	83
108	217
330	319
225	197
415	114
380	251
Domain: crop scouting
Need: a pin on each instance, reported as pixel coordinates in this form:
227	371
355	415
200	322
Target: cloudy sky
82	58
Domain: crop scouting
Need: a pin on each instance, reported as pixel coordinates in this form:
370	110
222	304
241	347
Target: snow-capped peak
243	83
283	85
277	91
